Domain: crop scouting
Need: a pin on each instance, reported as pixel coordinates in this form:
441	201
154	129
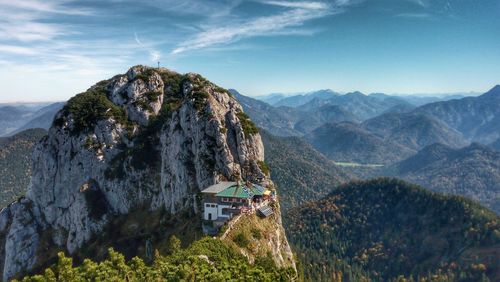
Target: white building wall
210	208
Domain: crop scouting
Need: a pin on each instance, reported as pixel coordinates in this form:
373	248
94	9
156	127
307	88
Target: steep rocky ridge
145	142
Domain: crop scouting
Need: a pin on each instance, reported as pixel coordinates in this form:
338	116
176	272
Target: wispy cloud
136	37
36	35
421	3
296	14
27	20
30	31
299	4
56	7
428	9
154	54
414	15
19	50
44	32
81	39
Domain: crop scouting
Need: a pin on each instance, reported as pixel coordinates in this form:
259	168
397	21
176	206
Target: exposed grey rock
21	240
82	179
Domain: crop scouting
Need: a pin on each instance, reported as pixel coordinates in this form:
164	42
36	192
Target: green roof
242	191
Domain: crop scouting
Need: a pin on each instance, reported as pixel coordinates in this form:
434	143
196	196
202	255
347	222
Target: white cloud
421	3
299	4
27	20
205	8
18	50
154	55
414	15
56	7
137	39
30	31
344	3
297	14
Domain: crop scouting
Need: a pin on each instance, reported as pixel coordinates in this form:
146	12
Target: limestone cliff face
149	138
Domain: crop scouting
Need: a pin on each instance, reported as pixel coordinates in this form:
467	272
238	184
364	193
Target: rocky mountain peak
147	141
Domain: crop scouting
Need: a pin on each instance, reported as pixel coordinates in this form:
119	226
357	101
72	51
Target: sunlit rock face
148	138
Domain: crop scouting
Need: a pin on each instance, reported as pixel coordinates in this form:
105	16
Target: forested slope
384	228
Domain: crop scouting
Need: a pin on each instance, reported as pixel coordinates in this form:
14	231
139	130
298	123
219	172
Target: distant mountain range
280	121
317	109
298	99
477	118
356	103
301	99
299	114
272	98
42	118
12	117
389	123
384	139
349	142
413	131
472	171
18	117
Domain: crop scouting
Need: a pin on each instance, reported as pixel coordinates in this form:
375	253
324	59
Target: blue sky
51	50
